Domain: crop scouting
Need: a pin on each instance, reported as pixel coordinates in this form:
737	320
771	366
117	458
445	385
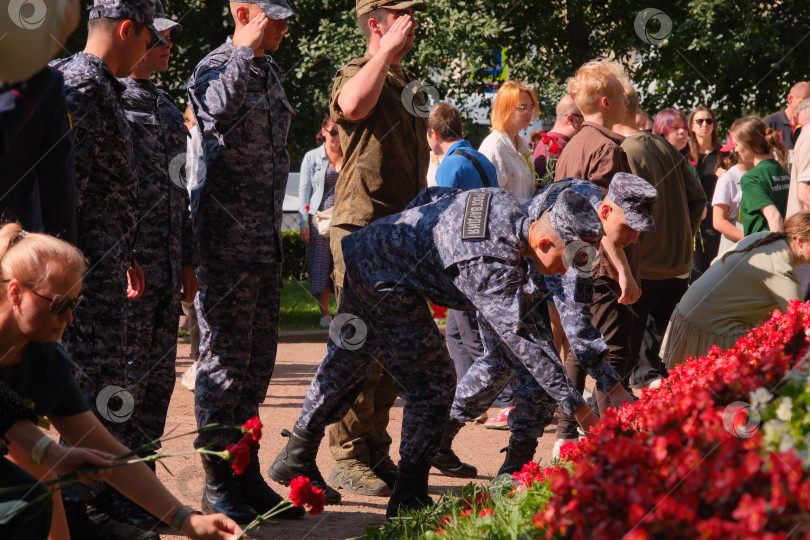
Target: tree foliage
739	57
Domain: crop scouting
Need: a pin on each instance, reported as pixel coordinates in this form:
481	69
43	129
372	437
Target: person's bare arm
803	192
722	225
631	292
137	482
360	93
774	218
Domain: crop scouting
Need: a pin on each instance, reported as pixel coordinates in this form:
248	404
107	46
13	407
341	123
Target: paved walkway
296	364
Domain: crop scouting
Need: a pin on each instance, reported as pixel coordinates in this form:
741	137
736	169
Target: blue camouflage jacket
106	183
464	250
243	116
159	138
572	293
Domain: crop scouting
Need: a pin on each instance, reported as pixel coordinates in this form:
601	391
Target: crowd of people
612	246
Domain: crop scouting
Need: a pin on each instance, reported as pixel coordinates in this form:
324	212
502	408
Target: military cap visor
163	24
140	11
274	9
364	6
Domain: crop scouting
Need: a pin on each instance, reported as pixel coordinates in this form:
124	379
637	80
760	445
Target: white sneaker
555	452
655	383
326	321
189	378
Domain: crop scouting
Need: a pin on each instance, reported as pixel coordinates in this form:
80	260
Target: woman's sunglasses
707	121
60	304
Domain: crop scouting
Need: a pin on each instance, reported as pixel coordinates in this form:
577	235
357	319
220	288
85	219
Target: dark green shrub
295	256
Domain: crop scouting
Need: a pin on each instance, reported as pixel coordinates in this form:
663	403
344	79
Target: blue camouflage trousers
96	342
238	313
398	327
151	353
490	373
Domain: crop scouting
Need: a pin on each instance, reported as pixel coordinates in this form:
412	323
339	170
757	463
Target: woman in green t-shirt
41	279
765	187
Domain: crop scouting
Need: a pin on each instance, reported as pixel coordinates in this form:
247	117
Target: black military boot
123	509
221	492
446	460
518	453
298	459
258	494
410	491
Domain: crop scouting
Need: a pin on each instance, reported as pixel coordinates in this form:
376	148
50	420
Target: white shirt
728	192
514	172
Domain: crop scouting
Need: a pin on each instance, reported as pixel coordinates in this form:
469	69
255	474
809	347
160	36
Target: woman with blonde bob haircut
514	109
41	278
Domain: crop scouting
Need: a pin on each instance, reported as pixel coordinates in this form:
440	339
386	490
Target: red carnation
240	456
306	208
303	494
486	512
253	428
554	148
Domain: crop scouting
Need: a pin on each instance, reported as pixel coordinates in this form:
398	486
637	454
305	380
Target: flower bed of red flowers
667	467
681	462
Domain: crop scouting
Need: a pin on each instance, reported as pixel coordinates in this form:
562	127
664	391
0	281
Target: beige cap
364	6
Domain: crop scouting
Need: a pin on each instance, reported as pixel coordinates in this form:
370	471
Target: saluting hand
397	36
252	33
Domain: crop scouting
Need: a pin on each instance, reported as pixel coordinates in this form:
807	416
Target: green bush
295	256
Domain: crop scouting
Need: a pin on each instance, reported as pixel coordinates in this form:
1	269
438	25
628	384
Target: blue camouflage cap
163	22
636	197
573	219
274	9
142	11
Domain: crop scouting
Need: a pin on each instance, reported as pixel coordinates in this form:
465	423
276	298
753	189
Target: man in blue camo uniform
243	115
162	246
572	294
119	32
472	250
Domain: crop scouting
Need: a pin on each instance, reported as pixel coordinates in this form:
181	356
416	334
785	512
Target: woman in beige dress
738	291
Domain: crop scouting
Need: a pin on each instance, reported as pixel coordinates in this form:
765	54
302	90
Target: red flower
253	430
302	493
620	481
486	512
306	208
240	456
554	148
530	473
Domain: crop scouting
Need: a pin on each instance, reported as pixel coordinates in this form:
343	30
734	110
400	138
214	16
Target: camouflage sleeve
573	295
219	91
85	116
497	291
431	195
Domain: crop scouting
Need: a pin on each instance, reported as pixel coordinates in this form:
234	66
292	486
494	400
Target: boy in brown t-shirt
595	154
